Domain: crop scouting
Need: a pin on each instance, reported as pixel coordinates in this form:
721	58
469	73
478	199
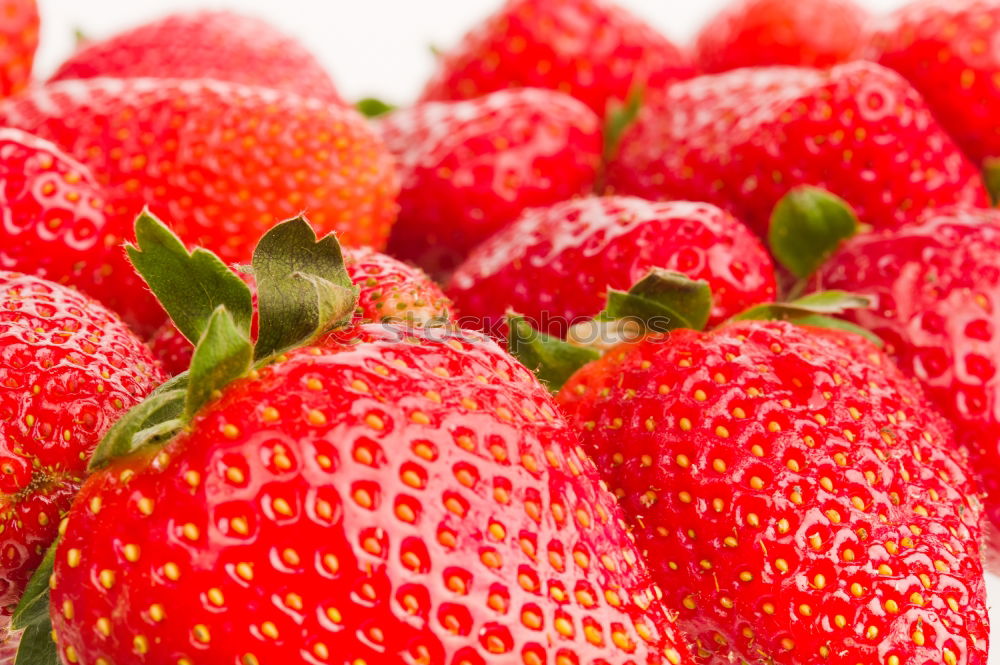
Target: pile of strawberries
607	351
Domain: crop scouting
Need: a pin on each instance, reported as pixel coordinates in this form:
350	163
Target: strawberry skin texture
802	33
943	48
593	50
207	44
388	289
469	168
554	265
19	32
386	498
221	162
57	225
798	499
69	368
936	290
744	138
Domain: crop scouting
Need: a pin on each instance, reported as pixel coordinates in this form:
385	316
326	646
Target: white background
371	47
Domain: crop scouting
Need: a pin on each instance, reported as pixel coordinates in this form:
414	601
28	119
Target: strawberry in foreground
798	499
18	43
68	369
554	264
944	48
219	45
804	33
742	139
372	494
224	162
936	290
388	290
57	225
469	168
593	50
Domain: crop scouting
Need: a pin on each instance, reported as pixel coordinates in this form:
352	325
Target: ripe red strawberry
944	48
56	225
593	50
205	44
221	161
937	292
798	499
805	33
18	42
68	369
469	168
745	138
553	265
387	290
384	494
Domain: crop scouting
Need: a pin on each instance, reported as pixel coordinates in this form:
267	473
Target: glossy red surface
377	499
744	138
469	168
55	223
797	497
936	288
944	47
18	42
804	33
593	50
554	265
68	369
219	45
219	162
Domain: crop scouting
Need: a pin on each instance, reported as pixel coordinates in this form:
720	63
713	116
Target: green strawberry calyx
658	303
808	225
303	291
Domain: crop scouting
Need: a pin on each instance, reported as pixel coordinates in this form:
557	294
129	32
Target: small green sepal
551	359
163	405
620	116
370	107
808	225
303	288
815	309
662	301
32	616
991	176
189	285
224	353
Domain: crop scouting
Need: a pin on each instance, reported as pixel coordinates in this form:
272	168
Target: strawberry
554	264
469	168
944	48
68	369
375	495
388	290
797	497
18	42
222	161
802	501
745	138
219	45
56	225
937	290
593	50
804	33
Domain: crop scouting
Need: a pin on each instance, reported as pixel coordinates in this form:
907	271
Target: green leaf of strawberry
620	117
34	607
370	107
662	301
36	646
189	285
287	259
552	359
164	405
807	226
223	354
